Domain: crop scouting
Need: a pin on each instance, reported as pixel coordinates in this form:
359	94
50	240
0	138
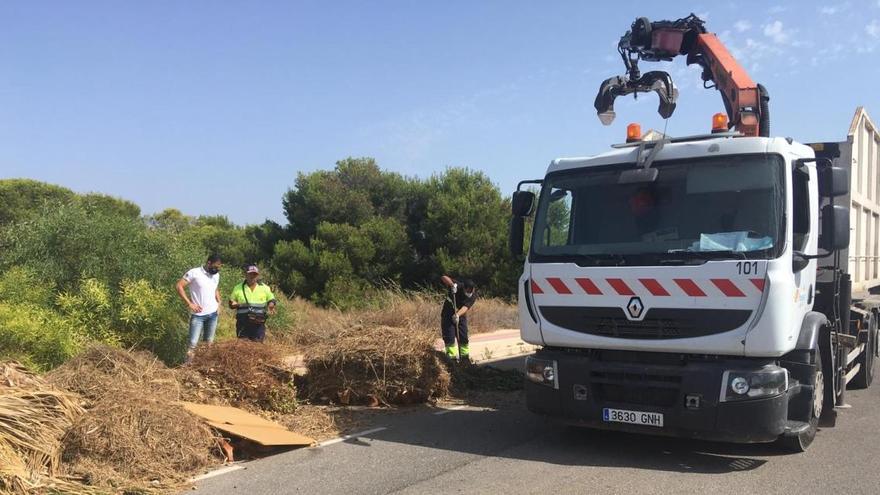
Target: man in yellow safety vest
253	302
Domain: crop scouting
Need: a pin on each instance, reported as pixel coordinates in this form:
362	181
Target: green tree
68	244
466	223
110	205
353	192
264	237
295	268
393	253
357	227
23	199
171	219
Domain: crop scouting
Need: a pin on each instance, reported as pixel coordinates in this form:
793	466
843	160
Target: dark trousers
447	328
246	329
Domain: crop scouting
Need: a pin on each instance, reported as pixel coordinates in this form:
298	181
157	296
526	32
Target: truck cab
673	287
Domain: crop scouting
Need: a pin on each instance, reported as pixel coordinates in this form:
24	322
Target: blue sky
214	107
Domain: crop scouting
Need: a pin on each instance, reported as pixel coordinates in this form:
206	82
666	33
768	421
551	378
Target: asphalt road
495	446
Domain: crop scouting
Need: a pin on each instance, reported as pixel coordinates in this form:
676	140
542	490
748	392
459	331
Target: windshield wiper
602	259
714	255
681	261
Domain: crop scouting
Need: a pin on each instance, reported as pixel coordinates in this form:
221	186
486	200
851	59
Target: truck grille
646	329
636	388
659	323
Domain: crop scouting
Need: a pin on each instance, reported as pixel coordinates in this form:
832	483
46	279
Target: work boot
465	353
451	352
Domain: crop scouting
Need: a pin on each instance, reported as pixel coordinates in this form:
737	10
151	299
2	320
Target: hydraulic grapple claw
657	81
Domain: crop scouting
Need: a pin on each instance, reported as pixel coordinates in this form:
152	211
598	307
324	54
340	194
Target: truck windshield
728	206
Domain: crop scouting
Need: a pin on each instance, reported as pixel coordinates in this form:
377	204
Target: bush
70	243
89	308
38	334
20	284
108	275
23	199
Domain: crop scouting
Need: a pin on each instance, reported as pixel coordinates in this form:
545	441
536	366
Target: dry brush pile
376	365
133	435
384	355
242	373
107	420
33	420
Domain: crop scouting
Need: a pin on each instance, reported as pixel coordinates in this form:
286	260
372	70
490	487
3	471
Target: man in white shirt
203	301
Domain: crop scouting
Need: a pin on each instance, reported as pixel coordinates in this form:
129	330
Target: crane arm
745	101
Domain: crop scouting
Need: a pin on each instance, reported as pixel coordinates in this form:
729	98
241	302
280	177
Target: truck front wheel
800	440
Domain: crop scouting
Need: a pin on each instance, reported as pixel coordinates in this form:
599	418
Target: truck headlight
753	384
542	371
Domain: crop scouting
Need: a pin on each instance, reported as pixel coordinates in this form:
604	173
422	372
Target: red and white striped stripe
649	286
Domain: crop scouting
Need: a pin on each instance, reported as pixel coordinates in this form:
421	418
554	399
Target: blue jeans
204	327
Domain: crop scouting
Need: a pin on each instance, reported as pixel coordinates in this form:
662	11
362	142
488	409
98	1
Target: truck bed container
860	154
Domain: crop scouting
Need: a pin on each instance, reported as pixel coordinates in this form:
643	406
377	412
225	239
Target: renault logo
635	307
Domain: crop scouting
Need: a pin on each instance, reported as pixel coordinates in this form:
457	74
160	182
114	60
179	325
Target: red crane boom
746	103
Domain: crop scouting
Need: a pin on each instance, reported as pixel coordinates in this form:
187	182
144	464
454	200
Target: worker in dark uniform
460	298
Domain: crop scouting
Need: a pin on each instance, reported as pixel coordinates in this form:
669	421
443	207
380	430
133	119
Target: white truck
701	286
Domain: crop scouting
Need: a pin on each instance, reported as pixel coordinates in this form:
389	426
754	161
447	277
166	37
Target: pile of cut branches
377	365
133	435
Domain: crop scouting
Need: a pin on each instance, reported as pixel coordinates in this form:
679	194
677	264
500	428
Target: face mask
469	294
213	270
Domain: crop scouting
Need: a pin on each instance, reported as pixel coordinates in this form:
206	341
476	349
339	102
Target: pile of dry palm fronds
132	434
102	370
33	420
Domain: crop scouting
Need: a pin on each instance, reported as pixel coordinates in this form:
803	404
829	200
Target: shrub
89	308
38	333
20	284
70	243
149	317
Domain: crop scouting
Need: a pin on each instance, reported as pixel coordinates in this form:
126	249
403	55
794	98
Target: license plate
632	417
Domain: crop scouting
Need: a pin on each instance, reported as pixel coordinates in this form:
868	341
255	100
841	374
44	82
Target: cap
252	269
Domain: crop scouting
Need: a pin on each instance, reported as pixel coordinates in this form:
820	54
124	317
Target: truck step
795	427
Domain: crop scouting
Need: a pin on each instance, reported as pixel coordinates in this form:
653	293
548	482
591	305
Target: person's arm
217	296
181	291
272	302
233	304
466	306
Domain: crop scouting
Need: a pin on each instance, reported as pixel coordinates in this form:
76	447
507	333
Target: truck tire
801	441
865	375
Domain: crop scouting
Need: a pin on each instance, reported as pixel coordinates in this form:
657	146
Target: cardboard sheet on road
246	425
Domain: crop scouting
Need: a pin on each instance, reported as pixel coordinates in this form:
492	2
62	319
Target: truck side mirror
835	228
833	182
798	262
521	206
522	202
517	231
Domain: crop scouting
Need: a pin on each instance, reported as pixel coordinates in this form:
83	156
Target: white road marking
446	411
218	472
348	437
